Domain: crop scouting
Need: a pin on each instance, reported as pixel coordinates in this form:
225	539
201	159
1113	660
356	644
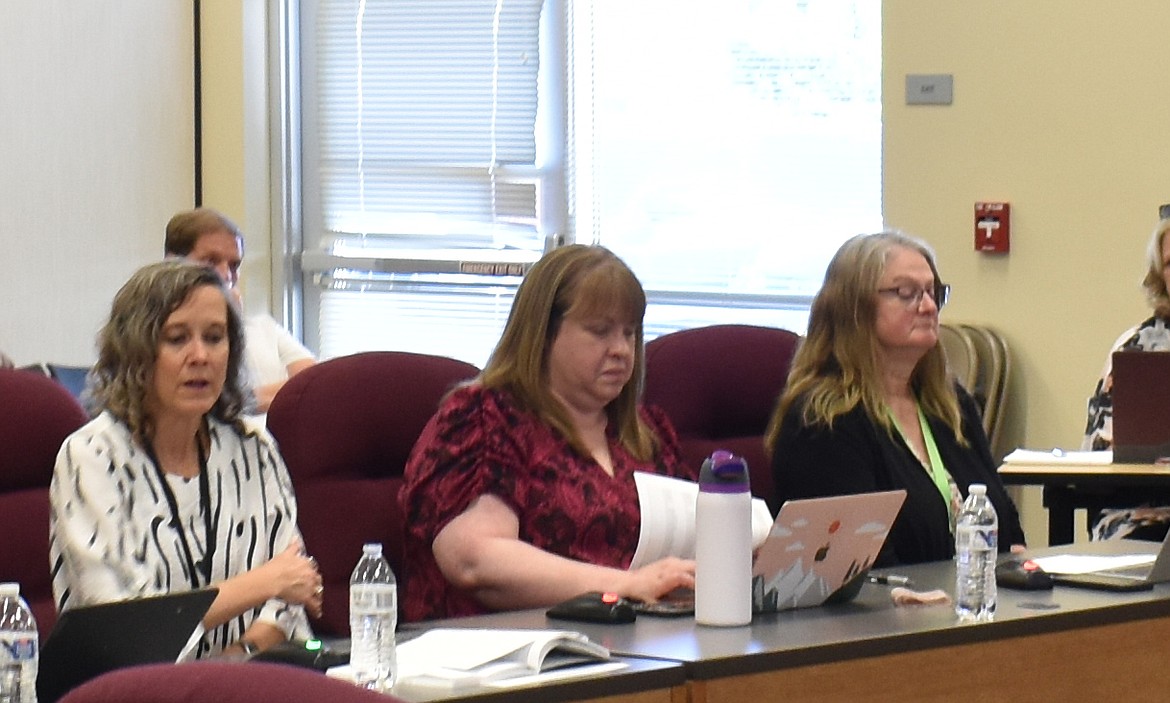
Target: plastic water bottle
723	542
373	617
19	647
976	551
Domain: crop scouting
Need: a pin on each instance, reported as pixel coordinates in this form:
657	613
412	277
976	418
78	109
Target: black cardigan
859	456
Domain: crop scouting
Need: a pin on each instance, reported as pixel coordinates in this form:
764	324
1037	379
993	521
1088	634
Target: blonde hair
128	345
836	366
1154	281
582	281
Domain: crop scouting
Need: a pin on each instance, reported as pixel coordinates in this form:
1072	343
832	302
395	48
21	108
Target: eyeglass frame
940	293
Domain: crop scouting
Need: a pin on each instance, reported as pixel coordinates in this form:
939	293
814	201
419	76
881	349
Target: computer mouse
595	606
1022	574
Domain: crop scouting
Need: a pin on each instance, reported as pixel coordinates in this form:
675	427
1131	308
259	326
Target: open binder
452	659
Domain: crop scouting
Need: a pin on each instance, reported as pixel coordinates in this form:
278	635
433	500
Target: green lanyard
937	471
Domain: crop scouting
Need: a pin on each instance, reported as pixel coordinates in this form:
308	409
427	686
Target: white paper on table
1089	563
668	518
1057	457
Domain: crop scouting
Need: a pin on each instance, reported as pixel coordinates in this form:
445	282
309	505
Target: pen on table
889	579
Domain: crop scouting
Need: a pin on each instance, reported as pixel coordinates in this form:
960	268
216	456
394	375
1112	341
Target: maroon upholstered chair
222	682
719	385
345	428
36	415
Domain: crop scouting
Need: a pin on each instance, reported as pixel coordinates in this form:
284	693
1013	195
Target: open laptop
1136	577
91	640
820	549
1141	425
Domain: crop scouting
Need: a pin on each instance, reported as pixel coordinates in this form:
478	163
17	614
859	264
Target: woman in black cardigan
869	405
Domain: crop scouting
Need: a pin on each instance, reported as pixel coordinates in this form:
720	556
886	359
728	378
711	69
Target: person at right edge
1136	513
869	404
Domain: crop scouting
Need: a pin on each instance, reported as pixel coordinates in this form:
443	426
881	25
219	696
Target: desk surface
1070	486
1098	474
806	650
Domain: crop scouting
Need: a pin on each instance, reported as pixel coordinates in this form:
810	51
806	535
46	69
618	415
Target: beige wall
96	152
1061	109
236	150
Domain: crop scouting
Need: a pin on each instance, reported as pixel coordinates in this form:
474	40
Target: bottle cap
9	589
724	472
977	489
372	548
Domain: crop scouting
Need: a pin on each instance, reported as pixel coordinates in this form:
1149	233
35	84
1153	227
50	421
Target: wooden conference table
1069	486
1042	645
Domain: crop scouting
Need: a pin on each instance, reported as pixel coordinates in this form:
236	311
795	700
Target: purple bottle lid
724	472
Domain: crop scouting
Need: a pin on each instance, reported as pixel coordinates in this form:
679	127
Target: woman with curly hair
170	487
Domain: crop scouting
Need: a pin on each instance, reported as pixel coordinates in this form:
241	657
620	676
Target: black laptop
1141	407
91	640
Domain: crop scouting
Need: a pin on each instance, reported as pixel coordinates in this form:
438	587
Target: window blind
723	148
426	120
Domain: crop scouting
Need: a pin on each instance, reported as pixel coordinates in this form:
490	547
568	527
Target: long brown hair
836	366
578	280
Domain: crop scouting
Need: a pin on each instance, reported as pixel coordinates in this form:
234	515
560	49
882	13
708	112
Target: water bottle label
19	650
985	540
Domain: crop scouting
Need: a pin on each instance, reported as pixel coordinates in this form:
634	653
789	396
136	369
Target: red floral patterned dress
482	442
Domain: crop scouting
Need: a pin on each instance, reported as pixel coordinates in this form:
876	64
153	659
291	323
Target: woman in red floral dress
520	492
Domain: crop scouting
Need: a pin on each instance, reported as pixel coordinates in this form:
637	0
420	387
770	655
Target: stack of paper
1058	456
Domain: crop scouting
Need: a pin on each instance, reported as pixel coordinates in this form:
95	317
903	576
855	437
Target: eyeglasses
911	297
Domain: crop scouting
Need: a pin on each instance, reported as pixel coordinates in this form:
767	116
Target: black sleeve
984	470
816	461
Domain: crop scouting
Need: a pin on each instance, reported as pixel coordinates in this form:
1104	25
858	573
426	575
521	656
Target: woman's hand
655	580
295	578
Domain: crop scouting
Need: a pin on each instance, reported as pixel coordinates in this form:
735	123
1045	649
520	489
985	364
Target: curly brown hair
128	345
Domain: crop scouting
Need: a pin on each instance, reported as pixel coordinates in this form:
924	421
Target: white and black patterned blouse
111	528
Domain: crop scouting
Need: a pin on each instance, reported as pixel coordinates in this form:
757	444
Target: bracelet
250	648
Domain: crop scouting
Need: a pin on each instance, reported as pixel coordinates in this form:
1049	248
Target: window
723	148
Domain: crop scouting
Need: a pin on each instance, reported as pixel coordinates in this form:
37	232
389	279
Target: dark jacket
857	456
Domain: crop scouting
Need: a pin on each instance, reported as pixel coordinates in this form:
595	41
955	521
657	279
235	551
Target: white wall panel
96	153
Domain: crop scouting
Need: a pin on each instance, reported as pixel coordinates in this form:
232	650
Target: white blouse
111	527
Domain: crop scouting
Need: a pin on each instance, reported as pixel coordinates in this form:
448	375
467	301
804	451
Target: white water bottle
19	647
976	551
723	542
373	618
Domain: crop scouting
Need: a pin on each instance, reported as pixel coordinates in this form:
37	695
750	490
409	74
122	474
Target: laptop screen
820	549
1141	423
91	640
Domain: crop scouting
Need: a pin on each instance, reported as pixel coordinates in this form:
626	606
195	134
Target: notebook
91	640
1128	578
820	549
1141	425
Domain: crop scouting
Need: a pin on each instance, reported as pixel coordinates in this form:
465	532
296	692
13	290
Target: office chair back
36	415
345	428
719	385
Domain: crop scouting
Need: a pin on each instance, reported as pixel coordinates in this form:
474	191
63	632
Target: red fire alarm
992	227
